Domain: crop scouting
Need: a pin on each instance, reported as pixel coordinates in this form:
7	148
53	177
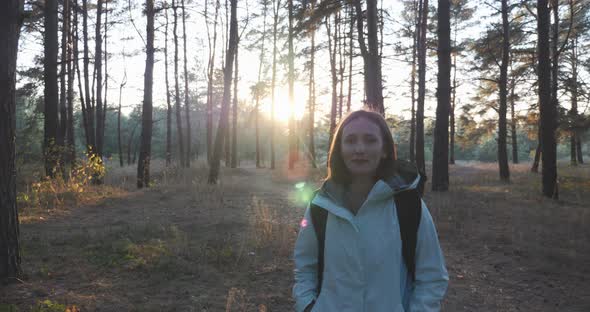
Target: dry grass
185	245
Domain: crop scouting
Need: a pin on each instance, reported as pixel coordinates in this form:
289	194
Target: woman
359	260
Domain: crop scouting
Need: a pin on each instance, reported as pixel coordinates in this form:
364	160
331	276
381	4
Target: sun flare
282	107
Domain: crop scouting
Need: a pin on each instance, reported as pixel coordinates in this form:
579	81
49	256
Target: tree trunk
371	56
177	90
79	75
227	79
10	22
332	52
412	142
574	109
547	106
70	139
259	88
88	108
211	67
502	124
440	154
168	103
276	8
63	109
454	95
119	143
420	161
311	101
106	72
291	78
341	62
50	88
234	141
143	165
351	53
98	68
186	93
513	121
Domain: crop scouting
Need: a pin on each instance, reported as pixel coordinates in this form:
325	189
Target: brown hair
337	170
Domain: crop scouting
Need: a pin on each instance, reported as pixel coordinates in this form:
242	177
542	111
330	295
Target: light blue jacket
363	265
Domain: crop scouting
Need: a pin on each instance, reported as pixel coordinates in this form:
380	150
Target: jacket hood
407	177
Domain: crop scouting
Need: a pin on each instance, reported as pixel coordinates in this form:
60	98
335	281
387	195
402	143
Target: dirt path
188	246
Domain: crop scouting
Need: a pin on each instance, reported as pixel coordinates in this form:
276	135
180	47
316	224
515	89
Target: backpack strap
319	217
409	212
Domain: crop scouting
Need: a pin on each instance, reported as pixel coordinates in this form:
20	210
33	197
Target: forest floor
183	245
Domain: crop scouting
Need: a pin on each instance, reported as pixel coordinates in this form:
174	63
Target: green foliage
48	306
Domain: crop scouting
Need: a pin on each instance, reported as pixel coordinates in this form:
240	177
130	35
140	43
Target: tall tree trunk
186	93
63	109
143	165
350	56
227	79
341	63
276	8
98	67
574	109
547	106
79	75
168	103
50	43
311	101
440	154
454	94
211	67
177	90
291	78
332	52
70	139
10	22
371	56
234	141
513	120
502	124
89	129
119	141
259	85
412	142
106	71
420	160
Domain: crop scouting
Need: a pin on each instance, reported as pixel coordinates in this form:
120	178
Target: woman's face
362	147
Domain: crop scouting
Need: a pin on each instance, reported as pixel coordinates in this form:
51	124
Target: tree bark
412	142
420	161
276	8
10	22
63	109
371	56
88	108
350	56
547	105
177	90
227	79
50	43
332	52
98	68
574	109
259	88
211	67
186	93
513	120
143	164
70	139
440	154
311	101
502	111
234	141
168	103
291	78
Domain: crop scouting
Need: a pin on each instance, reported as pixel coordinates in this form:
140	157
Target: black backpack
409	211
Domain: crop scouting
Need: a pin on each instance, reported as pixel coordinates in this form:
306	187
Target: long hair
337	170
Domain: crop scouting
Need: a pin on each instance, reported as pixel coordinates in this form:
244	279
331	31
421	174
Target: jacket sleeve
432	278
306	263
